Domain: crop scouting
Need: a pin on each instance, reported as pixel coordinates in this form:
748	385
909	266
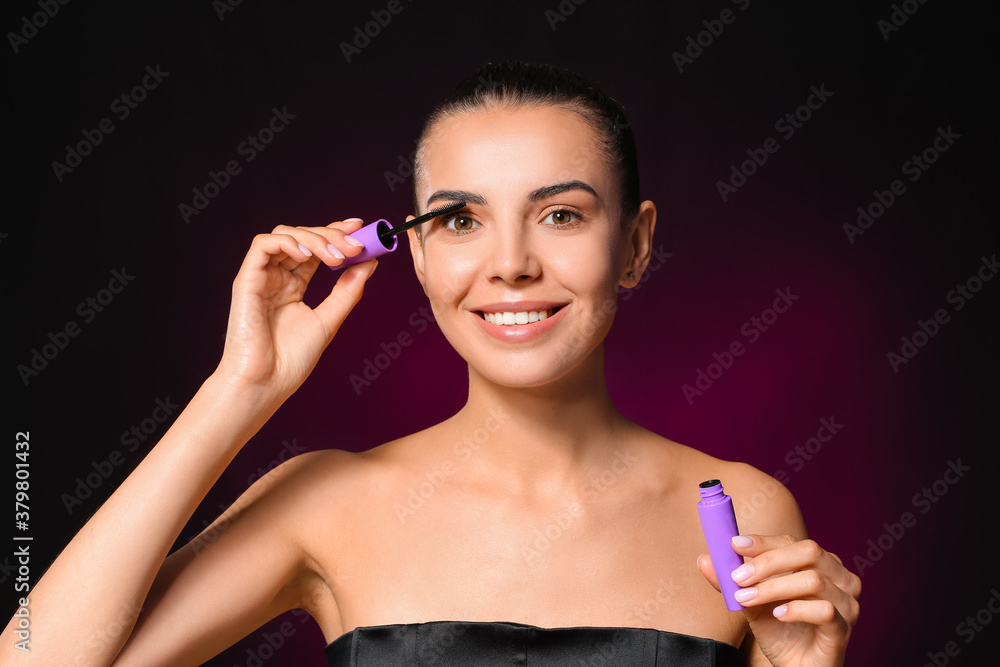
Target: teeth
522	317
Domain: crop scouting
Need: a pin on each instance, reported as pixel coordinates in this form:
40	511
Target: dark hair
514	84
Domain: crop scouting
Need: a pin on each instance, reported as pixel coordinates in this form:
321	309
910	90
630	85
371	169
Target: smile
508	318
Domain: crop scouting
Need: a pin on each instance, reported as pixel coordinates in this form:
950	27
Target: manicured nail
333	250
780	611
743	572
353	241
305	250
353	220
742	541
745	594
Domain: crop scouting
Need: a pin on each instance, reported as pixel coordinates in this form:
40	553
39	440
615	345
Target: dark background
354	122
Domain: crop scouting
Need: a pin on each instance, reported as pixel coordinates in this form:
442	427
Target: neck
547	438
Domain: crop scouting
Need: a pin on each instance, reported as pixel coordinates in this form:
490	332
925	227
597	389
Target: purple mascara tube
377	239
380	239
718	524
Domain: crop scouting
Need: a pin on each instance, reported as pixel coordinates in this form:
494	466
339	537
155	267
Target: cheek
590	266
448	273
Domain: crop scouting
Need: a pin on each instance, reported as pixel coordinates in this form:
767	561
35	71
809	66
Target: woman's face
540	239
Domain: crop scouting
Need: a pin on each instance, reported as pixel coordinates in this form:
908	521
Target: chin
524	373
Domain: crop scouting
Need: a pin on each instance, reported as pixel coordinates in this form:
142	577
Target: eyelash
564	225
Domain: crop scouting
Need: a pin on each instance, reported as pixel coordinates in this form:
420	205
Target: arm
87	602
251	565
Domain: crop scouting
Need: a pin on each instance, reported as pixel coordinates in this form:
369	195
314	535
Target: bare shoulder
763	505
331	491
329	476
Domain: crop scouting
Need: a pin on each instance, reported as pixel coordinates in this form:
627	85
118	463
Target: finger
272	249
808	585
337	236
705	565
781	554
821	613
291	263
816	597
320	242
345	295
758	544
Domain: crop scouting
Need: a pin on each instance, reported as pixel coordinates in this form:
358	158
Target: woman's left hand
800	600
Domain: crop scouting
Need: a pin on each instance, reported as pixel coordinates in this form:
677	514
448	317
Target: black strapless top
504	644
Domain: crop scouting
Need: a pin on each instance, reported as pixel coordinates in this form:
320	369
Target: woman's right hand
274	340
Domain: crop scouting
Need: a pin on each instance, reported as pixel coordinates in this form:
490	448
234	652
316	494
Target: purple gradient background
825	357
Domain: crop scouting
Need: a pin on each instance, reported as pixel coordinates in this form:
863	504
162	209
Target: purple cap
374	236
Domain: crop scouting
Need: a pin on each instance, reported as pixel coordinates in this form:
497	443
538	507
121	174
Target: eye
462	223
564	217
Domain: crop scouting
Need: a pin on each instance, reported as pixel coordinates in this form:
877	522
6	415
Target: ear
640	244
417	252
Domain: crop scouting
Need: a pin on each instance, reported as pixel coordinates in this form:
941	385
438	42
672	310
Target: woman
522	281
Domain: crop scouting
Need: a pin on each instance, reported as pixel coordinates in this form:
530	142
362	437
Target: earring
631	276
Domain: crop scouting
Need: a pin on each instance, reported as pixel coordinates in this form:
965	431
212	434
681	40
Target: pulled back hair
513	84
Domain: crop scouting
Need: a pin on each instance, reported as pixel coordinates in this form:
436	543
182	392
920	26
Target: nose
513	258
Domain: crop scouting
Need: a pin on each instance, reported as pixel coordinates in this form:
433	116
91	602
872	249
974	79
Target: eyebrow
537	195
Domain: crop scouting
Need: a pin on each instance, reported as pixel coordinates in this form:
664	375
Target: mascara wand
380	239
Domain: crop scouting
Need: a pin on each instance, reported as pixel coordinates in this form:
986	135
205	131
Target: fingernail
353	220
743	572
375	266
333	250
745	594
305	250
353	241
742	541
780	611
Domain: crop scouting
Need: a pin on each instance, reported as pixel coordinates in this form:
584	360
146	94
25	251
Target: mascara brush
380	239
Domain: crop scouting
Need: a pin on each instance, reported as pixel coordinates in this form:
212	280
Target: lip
518	333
